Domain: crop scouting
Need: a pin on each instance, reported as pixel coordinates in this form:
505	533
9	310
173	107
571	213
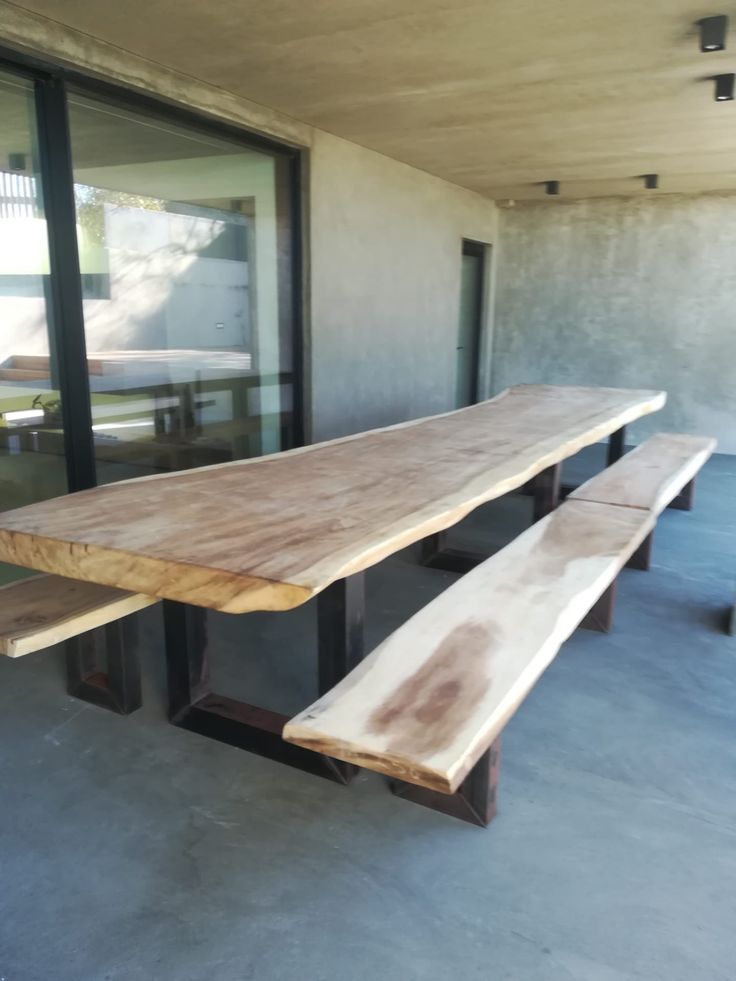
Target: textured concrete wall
626	292
386	246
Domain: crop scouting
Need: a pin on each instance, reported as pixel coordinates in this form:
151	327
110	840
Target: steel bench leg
685	499
642	557
731	621
600	616
193	705
475	799
103	666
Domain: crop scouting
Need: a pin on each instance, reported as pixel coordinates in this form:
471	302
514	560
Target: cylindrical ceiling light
551	187
713	33
724	87
651	181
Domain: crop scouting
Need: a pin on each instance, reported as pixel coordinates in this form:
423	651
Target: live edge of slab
269	533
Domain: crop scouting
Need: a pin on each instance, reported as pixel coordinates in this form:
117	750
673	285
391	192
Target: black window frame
65	311
478	250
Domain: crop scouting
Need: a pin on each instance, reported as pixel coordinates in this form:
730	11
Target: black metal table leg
187	668
193	706
103	667
616	446
340	619
475	799
340	647
547	491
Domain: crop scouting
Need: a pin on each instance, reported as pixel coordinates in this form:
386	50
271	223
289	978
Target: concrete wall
386	245
628	292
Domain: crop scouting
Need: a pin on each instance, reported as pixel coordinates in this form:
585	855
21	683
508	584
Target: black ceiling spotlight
17	162
713	33
724	87
551	187
651	181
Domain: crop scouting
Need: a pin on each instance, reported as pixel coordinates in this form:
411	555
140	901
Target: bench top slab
427	702
651	475
269	533
43	610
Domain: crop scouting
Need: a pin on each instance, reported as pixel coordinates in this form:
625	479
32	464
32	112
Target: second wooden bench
428	705
102	663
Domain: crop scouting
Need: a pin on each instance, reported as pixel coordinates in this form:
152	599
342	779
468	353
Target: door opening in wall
470	322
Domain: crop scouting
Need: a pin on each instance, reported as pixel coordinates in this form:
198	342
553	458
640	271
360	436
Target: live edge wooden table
273	532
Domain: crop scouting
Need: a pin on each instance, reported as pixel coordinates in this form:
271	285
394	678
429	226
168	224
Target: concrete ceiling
494	95
102	136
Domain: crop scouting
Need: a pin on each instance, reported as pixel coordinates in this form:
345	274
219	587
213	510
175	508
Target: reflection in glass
32	464
184	256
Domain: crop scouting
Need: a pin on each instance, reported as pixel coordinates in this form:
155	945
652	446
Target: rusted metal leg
340	618
547	491
475	799
187	666
616	445
340	614
642	557
685	499
193	706
103	667
600	616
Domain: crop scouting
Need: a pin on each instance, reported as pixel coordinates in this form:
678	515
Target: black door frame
65	310
479	250
66	315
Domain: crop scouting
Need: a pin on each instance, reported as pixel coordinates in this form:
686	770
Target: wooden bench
40	611
658	474
428	705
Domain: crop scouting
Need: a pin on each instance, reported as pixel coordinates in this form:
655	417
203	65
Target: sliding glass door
182	241
32	449
147	298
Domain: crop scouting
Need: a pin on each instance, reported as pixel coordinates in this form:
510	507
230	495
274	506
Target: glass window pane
32	464
184	257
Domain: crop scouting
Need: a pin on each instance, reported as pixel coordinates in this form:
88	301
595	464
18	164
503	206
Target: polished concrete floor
134	851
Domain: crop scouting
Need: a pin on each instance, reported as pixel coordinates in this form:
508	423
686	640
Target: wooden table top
269	533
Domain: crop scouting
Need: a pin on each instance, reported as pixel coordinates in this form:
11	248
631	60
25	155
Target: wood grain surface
267	534
426	704
44	610
651	475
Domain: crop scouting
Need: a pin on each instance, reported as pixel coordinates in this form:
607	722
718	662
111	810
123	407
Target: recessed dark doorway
470	322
